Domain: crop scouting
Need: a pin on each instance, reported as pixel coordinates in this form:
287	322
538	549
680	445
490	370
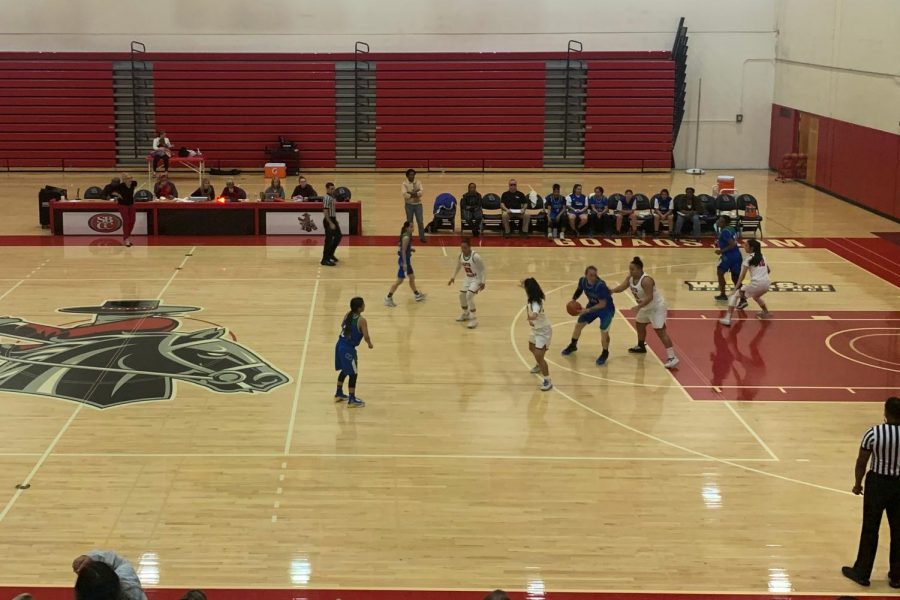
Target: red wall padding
783	134
856	162
56	113
629	115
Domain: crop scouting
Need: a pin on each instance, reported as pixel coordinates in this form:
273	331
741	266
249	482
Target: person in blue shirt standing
354	330
598	212
555	205
600	306
404	266
577	208
730	258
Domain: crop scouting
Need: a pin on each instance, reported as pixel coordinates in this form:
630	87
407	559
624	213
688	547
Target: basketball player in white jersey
470	262
541	330
755	265
651	308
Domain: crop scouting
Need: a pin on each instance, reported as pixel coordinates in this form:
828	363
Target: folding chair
491	220
444	213
750	219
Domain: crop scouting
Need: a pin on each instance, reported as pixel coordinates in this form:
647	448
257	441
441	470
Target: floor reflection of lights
301	570
712	496
148	568
779	581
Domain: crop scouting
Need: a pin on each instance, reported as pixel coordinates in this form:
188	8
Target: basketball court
173	400
623	478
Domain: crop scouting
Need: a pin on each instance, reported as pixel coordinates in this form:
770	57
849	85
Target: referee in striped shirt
882	444
333	233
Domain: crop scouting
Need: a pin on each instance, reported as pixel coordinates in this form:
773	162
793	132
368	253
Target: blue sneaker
569	350
355	403
601	360
340	396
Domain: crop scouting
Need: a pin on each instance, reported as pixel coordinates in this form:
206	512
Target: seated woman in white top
161	151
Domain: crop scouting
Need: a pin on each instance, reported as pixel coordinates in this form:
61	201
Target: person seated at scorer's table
162	150
232	193
304	191
165	189
275	191
110	187
205	189
513	203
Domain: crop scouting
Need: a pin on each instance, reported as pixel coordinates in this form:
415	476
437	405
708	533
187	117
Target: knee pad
470	301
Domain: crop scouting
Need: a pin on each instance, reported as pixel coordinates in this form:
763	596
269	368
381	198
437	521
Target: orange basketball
574	308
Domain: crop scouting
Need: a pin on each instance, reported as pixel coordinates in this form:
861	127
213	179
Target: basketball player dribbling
470	262
651	309
600	306
754	265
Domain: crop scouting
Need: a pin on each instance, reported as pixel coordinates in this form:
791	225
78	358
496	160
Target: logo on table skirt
105	222
775	286
127	351
306	223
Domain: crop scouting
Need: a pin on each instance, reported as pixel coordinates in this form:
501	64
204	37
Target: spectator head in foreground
497	595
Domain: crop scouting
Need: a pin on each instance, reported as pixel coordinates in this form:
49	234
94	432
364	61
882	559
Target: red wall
858	163
783	135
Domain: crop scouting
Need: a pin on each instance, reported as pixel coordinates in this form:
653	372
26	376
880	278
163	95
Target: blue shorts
730	263
345	358
401	274
554	215
606	316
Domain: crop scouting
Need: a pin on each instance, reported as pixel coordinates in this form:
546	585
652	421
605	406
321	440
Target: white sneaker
550	234
535	370
464	316
725	322
562	235
672	363
764	315
546	386
420	296
473	323
388	301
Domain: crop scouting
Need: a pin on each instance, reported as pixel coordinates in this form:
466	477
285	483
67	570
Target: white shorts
655	314
470	285
541	337
755	289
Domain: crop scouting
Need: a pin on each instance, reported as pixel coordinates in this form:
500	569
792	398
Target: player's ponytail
756	250
636	261
406	225
355	305
533	290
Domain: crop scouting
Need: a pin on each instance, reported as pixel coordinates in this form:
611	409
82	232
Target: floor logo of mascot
130	351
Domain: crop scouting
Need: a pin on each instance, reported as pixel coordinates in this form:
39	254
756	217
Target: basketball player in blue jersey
600	306
730	258
577	209
404	266
354	329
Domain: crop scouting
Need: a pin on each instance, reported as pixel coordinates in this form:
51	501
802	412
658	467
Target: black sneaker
849	573
721	298
894	583
569	350
742	304
328	263
639	349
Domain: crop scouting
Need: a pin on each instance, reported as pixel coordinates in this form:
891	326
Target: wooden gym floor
730	475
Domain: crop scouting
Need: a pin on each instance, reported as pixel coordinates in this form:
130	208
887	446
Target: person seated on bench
470	212
232	193
275	191
555	207
577	208
662	211
164	188
598	213
514	204
205	189
689	207
162	150
110	187
626	209
304	191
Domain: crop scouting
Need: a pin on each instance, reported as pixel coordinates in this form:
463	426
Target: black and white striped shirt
328	206
884	442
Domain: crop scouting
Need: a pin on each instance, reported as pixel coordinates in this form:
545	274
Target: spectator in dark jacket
205	189
471	214
164	188
304	191
110	187
233	193
689	207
